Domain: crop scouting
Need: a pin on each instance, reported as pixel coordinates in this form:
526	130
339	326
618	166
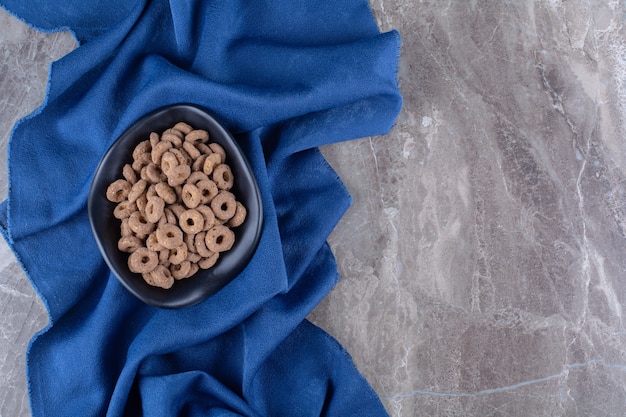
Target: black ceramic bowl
106	227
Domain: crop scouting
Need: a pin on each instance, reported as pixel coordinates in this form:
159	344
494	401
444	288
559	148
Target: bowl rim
195	289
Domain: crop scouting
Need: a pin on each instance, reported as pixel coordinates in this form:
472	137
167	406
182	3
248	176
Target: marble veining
484	257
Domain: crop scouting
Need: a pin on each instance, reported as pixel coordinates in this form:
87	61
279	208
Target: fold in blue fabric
285	77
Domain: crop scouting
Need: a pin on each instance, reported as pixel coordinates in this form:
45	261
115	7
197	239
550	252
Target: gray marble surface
484	258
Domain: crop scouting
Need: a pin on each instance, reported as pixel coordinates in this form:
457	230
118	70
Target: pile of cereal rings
175	205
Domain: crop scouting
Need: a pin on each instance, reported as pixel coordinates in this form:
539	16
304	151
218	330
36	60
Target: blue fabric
284	76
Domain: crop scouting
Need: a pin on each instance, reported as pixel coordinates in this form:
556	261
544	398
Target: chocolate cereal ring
183	127
182	156
209	216
219	238
129	174
180	271
140	162
174	136
138	188
124	209
129	244
140	224
206	263
166	192
170	217
178	175
198	164
224	205
154	139
200	245
197	136
204	148
125	230
196	177
193	257
193	152
154	173
240	215
193	270
142	147
208	190
191	196
189	240
191	221
154	209
169	235
143	261
118	191
141	203
211	162
160	277
152	243
168	162
178	254
223	177
158	150
217	148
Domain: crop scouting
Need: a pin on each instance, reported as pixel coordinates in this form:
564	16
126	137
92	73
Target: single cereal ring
206	263
174	136
158	150
138	188
191	221
177	209
196	176
140	162
154	173
193	257
140	224
142	147
180	271
193	152
160	277
211	162
217	148
200	245
151	191
125	230
198	164
223	177
129	244
141	203
169	216
178	254
164	257
178	175
183	127
152	243
154	209
204	148
154	139
208	190
193	270
118	191
197	136
166	192
191	196
124	209
178	189
168	162
219	238
169	235
189	240
143	261
129	173
183	157
209	216
240	215
224	205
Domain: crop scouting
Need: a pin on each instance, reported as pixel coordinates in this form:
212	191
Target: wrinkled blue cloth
284	76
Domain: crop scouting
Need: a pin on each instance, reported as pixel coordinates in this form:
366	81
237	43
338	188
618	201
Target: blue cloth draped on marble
284	77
